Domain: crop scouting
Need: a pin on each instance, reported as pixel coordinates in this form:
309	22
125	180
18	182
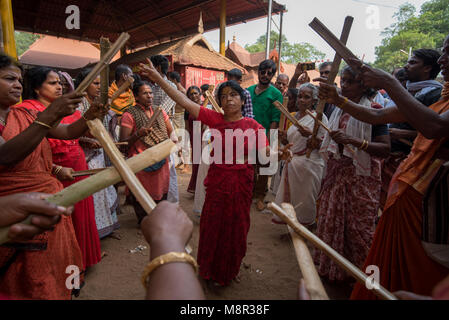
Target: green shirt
264	111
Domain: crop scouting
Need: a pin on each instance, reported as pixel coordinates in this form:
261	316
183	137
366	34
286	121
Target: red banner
198	77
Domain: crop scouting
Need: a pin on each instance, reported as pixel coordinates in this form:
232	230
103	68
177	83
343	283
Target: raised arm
428	122
369	115
181	99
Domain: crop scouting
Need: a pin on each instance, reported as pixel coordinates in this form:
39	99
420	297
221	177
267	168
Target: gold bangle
367	144
42	124
57	170
362	145
167	258
344	102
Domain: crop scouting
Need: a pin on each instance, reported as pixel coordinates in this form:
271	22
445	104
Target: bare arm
167	229
431	124
177	96
369	115
19	147
379	146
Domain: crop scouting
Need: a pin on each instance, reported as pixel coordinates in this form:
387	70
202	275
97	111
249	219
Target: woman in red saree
34	269
44	87
225	219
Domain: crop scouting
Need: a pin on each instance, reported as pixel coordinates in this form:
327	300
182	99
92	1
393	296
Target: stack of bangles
364	145
56	170
167	258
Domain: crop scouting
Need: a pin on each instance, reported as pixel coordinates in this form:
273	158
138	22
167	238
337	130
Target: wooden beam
194	4
332	75
302	231
312	280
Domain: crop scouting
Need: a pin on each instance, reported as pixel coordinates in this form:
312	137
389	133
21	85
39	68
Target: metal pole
267	45
280	41
9	43
222	27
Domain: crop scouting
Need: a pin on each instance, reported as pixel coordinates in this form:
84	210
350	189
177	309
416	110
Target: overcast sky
365	33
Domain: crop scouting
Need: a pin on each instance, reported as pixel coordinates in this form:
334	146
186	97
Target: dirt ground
269	270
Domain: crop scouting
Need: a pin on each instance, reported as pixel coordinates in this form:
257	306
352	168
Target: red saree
36	268
225	219
68	153
397	248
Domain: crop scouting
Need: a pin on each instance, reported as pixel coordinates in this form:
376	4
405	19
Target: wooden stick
105	45
98	131
333	41
84	188
320	123
381	292
332	75
212	100
287	114
312	280
410	144
87	172
104	62
122	89
283	119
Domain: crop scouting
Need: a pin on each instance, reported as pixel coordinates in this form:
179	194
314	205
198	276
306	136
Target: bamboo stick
332	75
312	280
98	131
381	292
212	100
283	119
333	41
105	45
121	89
103	179
320	123
87	172
104	62
287	114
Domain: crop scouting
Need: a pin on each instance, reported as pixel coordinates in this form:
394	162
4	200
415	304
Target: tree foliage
291	53
427	29
24	40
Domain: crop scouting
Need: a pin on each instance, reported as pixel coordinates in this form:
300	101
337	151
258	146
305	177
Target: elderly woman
134	130
35	269
225	218
43	86
106	200
350	192
301	177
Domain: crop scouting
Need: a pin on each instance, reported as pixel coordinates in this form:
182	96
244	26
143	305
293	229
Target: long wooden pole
380	291
214	103
332	75
104	62
103	179
98	131
312	280
105	46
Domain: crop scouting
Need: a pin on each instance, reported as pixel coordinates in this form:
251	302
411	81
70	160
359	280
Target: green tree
24	40
291	53
424	30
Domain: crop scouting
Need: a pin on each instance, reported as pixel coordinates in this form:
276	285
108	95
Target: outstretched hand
371	77
15	208
148	70
328	92
285	153
64	105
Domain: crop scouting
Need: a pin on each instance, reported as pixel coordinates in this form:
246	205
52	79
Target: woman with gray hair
301	177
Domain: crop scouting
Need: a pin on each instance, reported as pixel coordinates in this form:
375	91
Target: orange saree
35	269
396	248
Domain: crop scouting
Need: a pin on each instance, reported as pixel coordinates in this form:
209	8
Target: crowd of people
373	186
